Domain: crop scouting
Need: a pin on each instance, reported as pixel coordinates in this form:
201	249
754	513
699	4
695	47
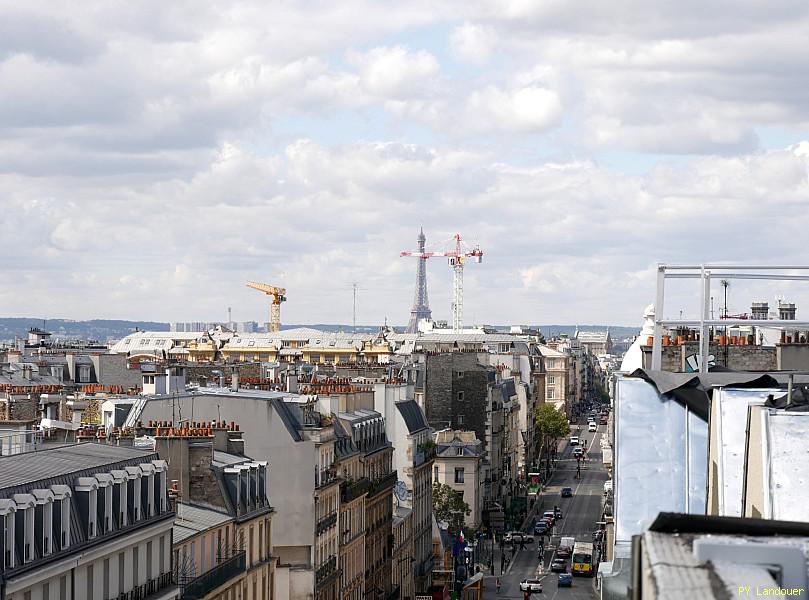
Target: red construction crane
457	258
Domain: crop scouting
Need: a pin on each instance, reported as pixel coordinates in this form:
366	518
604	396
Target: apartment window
106	589
84	373
551	379
550	363
460	396
436	473
57	372
121	567
90	582
459	450
314	358
460	374
460	419
458	474
551	394
149	560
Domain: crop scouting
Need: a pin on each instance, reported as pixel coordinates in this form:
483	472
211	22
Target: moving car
550	514
515	537
565	580
603	420
559	565
531	585
567	492
565	548
578	452
557	512
592	426
541	528
574	440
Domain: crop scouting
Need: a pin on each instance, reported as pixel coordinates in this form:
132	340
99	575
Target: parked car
550	514
559	565
567	492
578	452
515	537
557	512
603	420
592	426
574	440
565	580
531	585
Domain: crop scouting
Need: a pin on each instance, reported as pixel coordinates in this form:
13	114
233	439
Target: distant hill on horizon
104	330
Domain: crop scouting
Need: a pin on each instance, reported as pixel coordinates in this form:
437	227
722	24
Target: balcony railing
212	579
150	589
380	485
325	477
424	455
326	522
326	570
423	569
349	490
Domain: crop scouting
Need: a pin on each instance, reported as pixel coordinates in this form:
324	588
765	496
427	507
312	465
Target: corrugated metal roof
789	470
32	467
729	426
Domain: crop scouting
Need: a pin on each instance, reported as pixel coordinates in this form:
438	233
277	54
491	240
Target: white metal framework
705	273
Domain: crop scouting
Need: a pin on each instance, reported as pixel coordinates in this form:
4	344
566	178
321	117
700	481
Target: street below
580	516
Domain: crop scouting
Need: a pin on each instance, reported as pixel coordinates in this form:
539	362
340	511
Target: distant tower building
421	306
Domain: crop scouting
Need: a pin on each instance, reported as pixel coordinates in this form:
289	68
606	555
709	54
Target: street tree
552	426
449	507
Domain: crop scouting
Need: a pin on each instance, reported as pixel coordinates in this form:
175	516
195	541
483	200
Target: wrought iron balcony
198	588
382	484
349	490
326	522
326	570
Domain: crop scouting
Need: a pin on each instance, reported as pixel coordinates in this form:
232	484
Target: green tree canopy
551	423
449	507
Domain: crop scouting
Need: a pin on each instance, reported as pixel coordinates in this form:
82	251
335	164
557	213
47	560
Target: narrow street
579	520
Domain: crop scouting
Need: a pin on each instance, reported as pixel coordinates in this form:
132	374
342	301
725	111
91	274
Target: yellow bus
583	559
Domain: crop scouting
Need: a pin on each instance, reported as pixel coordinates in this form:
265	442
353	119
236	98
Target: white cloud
395	72
154	157
473	43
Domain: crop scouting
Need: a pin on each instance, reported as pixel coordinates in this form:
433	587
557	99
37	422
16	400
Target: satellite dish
400	491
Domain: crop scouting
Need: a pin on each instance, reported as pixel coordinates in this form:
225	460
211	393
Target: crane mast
457	257
277	296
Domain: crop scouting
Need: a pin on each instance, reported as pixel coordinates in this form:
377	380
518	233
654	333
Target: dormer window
133	497
119	498
8	508
87	498
160	486
84	373
43	521
147	490
105	496
61	516
24	526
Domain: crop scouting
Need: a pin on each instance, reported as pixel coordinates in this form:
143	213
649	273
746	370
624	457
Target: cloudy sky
155	156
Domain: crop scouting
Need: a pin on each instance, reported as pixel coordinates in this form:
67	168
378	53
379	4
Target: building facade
85	521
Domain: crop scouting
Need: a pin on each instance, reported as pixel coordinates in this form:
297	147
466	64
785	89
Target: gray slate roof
413	416
192	519
31	467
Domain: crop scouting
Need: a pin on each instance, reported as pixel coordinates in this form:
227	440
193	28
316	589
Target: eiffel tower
421	306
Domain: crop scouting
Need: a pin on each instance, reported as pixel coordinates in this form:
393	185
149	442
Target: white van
607	486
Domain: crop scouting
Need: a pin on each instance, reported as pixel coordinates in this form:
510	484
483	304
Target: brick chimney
188	450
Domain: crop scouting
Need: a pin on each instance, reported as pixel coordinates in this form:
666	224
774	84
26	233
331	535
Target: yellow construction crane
278	296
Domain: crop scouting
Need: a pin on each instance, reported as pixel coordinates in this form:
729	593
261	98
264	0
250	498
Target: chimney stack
786	311
234	380
760	310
